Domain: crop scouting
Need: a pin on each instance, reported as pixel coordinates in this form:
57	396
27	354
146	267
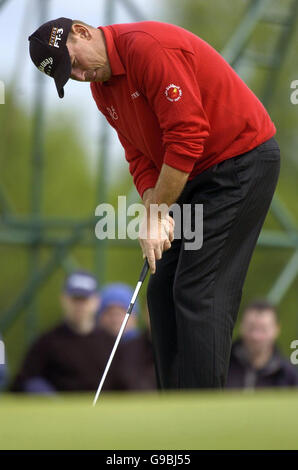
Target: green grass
213	420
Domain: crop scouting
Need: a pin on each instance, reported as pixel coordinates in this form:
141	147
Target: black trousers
194	296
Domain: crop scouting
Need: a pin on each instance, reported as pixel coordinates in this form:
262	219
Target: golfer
194	134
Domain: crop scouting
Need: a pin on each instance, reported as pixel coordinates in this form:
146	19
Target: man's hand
155	236
157	230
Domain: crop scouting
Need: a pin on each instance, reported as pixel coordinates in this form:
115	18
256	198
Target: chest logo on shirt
173	92
112	113
135	95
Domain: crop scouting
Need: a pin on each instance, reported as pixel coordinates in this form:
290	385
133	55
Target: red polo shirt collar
114	59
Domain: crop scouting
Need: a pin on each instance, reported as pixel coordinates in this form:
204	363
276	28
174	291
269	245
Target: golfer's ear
79	30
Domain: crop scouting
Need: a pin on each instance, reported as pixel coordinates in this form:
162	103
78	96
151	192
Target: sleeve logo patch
173	92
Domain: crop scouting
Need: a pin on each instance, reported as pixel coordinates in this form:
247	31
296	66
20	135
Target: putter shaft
129	310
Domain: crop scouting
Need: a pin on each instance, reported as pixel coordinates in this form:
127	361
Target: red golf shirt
173	99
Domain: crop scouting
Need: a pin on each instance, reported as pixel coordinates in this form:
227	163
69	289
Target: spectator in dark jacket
72	356
138	364
255	359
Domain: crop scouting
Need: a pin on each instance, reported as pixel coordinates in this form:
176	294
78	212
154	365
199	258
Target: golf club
128	312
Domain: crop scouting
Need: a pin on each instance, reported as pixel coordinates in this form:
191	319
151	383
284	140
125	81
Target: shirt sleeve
167	78
142	169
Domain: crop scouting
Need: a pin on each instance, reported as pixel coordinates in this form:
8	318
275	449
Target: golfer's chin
100	75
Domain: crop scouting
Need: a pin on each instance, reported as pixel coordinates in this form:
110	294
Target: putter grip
144	271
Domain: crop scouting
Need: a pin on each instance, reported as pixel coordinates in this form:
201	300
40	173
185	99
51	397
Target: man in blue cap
72	356
80	301
115	298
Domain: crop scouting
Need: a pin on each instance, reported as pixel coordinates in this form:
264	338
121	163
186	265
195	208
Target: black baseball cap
80	284
49	52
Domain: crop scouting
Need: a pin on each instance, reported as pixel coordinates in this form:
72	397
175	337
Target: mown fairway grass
214	420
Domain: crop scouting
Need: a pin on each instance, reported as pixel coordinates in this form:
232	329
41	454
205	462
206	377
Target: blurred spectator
135	351
72	356
138	362
2	376
255	358
115	299
3	368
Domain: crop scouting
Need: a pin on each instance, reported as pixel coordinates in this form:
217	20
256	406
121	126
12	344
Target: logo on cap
173	92
46	64
55	37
